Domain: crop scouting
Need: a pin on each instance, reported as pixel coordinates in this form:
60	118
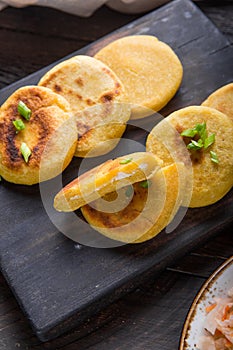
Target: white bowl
219	283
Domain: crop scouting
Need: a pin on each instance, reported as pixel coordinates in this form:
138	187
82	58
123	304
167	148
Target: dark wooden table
152	316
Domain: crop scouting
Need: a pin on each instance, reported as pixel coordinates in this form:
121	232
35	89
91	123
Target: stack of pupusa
129	199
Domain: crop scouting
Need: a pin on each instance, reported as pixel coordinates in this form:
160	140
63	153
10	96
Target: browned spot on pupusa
90	102
104	219
80	81
117	88
34	98
79	97
11	156
197	156
117	85
108	97
82	129
57	88
108	71
179	128
108	104
113	220
51	77
44	132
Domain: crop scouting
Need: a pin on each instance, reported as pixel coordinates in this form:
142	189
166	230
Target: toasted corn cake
95	95
149	69
41	147
208	136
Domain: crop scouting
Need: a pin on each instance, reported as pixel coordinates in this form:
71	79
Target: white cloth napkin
86	8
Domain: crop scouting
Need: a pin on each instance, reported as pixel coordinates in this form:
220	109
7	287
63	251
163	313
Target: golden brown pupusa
211	181
129	199
96	97
149	211
149	69
50	134
222	100
105	178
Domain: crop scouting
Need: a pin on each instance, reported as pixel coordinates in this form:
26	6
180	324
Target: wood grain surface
140	319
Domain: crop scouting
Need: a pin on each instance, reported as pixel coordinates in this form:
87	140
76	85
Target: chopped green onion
18	124
126	160
24	111
195	145
129	191
209	141
201	130
204	140
145	184
214	157
26	152
189	133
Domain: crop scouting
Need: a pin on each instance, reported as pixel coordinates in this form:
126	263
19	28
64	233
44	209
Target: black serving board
59	283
